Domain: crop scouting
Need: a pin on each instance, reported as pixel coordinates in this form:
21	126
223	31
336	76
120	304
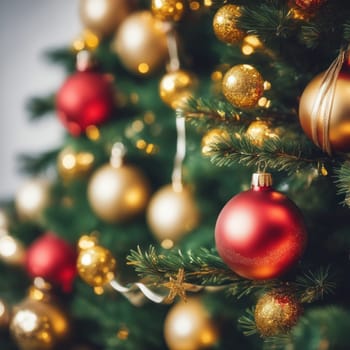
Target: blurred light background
27	29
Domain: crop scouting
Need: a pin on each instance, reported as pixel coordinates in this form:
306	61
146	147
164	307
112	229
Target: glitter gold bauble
39	323
176	87
4	315
31	199
211	139
74	165
96	266
118	194
225	24
141	43
168	10
188	326
276	313
104	16
259	131
338	131
243	86
172	214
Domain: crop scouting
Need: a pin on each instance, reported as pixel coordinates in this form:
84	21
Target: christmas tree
200	198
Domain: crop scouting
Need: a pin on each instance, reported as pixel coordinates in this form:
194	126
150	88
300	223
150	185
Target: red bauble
53	259
260	233
86	98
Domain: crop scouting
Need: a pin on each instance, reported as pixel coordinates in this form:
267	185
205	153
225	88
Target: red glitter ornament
309	4
260	233
53	259
86	98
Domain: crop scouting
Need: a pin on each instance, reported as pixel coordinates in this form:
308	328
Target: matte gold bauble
118	194
74	165
104	16
96	266
141	43
32	198
243	86
211	139
172	214
176	87
12	251
168	10
225	24
4	315
339	121
276	313
188	326
39	324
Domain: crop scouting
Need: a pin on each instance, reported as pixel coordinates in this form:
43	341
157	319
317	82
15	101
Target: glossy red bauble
86	98
53	259
260	233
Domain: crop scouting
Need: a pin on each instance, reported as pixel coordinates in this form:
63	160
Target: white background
27	29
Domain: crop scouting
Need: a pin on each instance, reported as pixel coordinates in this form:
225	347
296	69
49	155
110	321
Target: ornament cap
261	180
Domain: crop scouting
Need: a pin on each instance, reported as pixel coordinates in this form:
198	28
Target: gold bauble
225	24
39	324
188	326
339	121
276	313
211	139
172	214
104	16
32	198
118	194
96	266
168	10
74	165
141	43
243	85
4	315
12	251
176	87
259	131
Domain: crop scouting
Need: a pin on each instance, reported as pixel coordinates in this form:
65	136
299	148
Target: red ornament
309	4
86	98
53	259
260	233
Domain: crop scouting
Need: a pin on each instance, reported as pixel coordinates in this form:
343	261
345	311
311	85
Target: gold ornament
225	24
276	313
12	251
168	10
188	326
339	116
4	315
95	264
243	86
211	138
176	87
171	215
31	199
38	322
259	131
104	16
73	165
141	43
118	193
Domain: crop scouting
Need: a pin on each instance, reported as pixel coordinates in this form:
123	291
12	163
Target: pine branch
276	153
40	106
315	285
63	56
343	180
33	165
247	323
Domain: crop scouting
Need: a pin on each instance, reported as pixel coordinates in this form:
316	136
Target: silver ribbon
180	153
